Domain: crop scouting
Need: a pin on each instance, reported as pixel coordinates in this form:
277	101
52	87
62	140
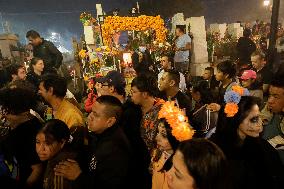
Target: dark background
62	16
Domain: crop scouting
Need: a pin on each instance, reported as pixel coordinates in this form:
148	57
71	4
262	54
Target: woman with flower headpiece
253	162
53	144
173	128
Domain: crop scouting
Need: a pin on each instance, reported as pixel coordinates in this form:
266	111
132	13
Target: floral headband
177	120
233	98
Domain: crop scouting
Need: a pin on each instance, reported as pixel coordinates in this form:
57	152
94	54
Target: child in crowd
53	145
172	119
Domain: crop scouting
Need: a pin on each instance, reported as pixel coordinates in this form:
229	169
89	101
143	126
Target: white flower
154	42
161	45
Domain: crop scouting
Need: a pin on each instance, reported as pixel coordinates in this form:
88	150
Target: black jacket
33	78
51	56
108	161
245	48
255	164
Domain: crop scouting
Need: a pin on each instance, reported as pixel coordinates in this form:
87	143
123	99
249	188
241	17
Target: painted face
97	119
164	82
252	124
206	75
46	150
276	99
136	96
39	66
178	176
162	139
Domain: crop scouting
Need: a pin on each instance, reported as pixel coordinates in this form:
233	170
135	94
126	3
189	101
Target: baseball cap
113	78
248	74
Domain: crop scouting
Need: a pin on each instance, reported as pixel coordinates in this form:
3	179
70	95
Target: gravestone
220	28
199	58
235	30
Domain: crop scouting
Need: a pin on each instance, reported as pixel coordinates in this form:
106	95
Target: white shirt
182	84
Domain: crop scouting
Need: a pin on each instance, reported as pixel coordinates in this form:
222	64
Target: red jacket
90	101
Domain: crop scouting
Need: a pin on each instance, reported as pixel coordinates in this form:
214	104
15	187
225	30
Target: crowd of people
224	131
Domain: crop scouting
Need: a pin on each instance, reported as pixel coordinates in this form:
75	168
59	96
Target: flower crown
233	98
177	120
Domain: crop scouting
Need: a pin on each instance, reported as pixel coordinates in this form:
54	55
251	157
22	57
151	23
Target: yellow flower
83	54
98	49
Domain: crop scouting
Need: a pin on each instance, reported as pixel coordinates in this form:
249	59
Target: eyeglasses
104	85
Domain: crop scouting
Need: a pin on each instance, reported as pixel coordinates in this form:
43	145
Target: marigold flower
231	109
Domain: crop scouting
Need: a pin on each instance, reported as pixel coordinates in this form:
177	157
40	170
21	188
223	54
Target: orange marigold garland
177	120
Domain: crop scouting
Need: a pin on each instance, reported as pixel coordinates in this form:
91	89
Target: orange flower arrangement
238	89
231	109
177	120
113	24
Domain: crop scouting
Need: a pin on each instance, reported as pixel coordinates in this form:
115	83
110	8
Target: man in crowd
182	48
209	76
169	84
166	63
144	89
272	115
53	89
113	84
262	71
109	159
245	47
45	50
17	72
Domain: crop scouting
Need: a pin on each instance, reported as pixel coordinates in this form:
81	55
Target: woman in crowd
253	162
35	71
167	141
18	145
226	72
53	145
198	164
166	144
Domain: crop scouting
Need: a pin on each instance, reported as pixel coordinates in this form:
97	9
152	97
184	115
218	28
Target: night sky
62	16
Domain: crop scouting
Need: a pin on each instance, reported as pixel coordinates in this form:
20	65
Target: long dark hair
206	163
33	62
55	130
173	142
226	130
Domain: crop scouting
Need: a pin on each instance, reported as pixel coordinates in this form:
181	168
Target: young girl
167	142
53	145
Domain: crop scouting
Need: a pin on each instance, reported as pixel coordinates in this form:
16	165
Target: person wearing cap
113	84
248	80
